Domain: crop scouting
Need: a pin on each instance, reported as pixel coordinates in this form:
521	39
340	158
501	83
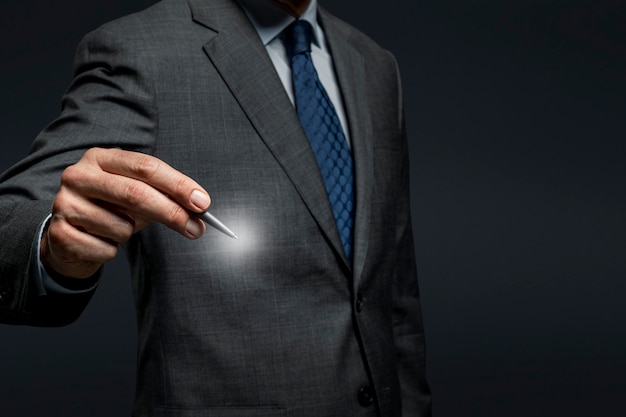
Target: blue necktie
322	127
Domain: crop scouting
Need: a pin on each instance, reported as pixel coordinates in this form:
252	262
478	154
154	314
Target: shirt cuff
49	282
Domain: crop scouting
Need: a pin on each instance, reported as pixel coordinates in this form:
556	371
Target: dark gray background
515	110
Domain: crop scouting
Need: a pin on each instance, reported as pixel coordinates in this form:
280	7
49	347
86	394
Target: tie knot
297	37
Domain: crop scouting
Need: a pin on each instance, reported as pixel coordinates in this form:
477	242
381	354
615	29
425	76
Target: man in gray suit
196	95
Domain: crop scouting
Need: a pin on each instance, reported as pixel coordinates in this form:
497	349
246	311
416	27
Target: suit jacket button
366	396
360	303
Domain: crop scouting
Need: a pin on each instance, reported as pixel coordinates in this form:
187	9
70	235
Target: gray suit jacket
278	323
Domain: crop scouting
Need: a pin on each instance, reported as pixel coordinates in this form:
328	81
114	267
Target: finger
72	244
155	173
97	218
132	196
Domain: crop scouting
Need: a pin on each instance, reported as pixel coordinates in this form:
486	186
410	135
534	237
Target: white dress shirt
269	21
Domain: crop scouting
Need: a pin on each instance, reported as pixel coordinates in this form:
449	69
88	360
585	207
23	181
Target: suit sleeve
109	104
407	316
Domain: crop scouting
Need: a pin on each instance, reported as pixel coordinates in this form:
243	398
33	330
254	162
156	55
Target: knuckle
136	194
67	205
123	232
106	254
64	241
182	187
60	203
92	156
177	216
71	175
144	166
91	153
60	236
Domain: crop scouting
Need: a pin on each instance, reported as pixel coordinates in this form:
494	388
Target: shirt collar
270	20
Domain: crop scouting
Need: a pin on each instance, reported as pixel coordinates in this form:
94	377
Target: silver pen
214	222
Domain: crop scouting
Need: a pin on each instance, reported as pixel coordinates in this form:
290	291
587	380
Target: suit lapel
349	68
237	53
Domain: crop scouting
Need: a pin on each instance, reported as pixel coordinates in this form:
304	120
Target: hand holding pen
108	196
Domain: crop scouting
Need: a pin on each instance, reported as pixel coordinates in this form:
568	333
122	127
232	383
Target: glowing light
247	231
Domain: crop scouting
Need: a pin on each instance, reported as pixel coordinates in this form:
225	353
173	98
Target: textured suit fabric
279	323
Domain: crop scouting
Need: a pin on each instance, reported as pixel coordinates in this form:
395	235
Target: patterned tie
322	127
